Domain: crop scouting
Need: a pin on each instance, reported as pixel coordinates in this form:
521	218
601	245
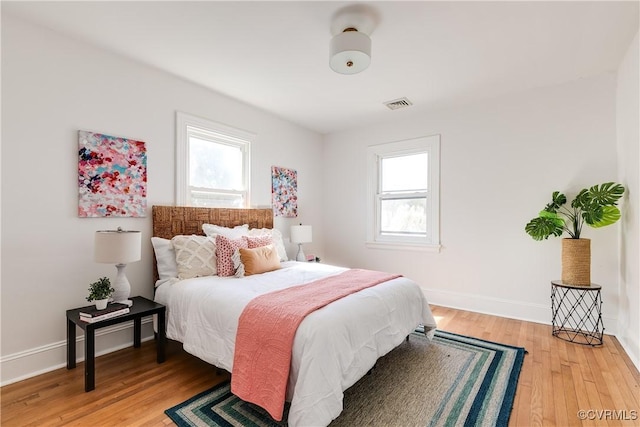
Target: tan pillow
259	260
276	237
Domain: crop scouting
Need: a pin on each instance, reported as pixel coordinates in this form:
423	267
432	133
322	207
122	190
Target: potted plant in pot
100	292
594	206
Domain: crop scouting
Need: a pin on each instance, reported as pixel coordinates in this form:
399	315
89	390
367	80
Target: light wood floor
557	380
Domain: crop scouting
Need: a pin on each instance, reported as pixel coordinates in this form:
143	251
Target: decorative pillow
224	251
252	242
276	235
195	256
165	258
212	230
259	260
258	241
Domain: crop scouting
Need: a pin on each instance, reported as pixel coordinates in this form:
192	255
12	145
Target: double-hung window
213	163
403	199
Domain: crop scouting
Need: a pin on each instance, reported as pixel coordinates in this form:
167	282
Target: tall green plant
595	206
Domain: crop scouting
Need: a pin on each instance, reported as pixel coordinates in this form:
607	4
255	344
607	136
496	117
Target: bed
333	347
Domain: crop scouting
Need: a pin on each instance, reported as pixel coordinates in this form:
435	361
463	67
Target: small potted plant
100	292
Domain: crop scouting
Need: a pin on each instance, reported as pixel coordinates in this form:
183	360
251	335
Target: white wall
53	86
628	115
500	162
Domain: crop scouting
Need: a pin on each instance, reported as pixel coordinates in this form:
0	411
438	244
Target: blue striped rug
453	380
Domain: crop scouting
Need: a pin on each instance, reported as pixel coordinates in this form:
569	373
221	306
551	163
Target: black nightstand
141	307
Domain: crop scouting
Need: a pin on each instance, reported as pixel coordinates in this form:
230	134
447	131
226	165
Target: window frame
188	125
375	154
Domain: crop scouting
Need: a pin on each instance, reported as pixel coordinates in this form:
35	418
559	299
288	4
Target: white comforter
333	348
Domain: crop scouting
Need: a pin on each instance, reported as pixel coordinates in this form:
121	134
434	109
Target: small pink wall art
112	176
284	192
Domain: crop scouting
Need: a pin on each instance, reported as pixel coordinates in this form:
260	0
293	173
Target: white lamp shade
350	52
117	246
301	234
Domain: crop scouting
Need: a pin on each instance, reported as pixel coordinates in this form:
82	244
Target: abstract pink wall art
112	176
284	192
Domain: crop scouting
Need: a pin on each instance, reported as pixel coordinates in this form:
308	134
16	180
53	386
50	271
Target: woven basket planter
576	262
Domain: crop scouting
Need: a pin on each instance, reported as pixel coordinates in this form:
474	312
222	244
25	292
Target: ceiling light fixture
350	51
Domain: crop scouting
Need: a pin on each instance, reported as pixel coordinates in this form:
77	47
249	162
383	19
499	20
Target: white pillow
230	233
165	258
195	256
276	238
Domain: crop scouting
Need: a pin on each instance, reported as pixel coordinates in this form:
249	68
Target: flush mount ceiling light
350	51
350	48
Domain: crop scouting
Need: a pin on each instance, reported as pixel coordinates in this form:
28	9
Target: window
403	199
213	163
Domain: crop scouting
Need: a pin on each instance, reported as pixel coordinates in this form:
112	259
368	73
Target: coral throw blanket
267	327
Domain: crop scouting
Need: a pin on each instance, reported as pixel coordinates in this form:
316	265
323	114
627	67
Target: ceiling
275	55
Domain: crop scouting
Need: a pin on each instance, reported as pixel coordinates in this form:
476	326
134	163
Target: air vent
398	103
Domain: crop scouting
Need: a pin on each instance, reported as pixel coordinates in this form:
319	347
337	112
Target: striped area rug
453	380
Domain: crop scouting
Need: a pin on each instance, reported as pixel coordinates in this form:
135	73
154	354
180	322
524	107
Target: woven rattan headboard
169	221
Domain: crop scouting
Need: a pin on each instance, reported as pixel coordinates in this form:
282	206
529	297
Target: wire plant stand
577	313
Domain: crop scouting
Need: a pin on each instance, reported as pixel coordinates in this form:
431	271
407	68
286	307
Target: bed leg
407	338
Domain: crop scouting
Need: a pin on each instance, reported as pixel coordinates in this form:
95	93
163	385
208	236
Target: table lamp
118	247
301	234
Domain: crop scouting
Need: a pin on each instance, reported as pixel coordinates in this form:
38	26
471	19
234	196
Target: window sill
398	246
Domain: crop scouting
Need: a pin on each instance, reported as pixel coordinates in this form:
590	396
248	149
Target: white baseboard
631	347
30	363
519	310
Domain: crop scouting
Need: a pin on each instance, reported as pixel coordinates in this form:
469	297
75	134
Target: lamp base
300	256
122	287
